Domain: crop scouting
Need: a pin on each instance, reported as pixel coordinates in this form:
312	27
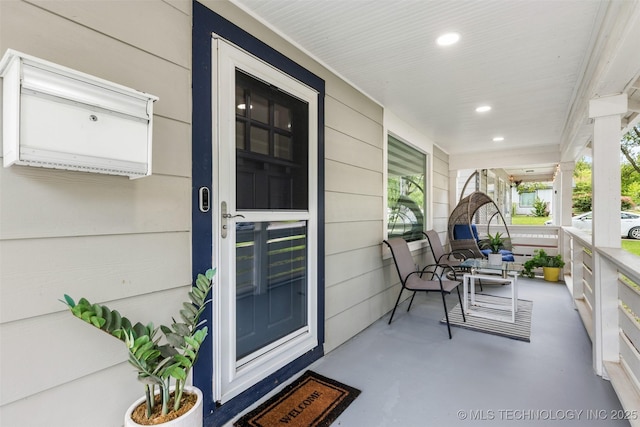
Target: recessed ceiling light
498	138
483	108
448	39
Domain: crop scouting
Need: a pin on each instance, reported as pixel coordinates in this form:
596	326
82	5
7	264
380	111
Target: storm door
265	144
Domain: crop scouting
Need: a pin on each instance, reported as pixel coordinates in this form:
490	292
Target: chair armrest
433	269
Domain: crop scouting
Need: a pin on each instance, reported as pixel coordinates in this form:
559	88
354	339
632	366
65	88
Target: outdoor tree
629	146
582	189
630	167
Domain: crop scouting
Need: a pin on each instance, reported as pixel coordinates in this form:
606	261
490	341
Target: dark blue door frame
206	22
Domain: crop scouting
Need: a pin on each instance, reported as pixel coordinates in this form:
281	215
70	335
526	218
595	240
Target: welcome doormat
310	401
520	330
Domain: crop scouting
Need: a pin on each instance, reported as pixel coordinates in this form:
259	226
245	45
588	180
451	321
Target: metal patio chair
452	259
413	280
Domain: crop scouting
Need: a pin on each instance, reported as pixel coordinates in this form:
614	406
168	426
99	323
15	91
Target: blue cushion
462	232
506	255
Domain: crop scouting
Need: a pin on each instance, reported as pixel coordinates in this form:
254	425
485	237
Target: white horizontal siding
110	267
340	268
164	31
342	237
125	243
344	119
340	146
78	348
52	203
345	178
65	42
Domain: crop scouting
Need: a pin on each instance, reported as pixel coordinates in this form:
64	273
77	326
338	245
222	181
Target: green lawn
528	220
631	245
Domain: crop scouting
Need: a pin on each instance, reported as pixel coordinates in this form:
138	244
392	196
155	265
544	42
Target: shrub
626	203
540	207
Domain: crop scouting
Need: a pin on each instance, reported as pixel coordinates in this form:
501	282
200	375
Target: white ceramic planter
193	418
495	259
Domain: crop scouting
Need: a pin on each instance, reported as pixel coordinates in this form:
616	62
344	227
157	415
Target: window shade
404	160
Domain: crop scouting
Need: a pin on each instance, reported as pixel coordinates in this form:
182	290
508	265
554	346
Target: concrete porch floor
411	374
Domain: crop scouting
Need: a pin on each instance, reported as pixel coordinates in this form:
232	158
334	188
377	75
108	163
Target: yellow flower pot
551	274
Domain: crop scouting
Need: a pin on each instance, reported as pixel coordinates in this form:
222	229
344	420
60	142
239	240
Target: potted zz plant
162	365
550	264
494	243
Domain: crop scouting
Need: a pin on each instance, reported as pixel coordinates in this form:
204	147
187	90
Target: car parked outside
629	223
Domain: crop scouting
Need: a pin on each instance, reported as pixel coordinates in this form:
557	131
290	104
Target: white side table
469	296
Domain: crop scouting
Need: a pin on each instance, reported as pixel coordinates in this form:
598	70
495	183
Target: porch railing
527	238
605	283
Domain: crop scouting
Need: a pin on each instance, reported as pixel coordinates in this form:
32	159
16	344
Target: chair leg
396	306
411	302
446	313
464	319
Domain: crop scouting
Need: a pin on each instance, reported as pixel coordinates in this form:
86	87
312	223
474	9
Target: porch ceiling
531	60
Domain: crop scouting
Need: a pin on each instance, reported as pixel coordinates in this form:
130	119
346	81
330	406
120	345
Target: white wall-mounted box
60	118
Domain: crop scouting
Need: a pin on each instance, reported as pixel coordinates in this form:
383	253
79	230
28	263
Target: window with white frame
406	201
527	199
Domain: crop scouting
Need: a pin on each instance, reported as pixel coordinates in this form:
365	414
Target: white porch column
606	113
565	187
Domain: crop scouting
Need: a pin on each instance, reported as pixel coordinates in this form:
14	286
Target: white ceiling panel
525	58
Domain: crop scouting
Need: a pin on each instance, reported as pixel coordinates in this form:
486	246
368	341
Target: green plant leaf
142	349
86	316
175	339
186	319
185	362
188	316
77	311
181	329
200	295
126	324
97	309
108	317
176	372
190	307
69	301
116	321
140	329
98	322
192	342
167	351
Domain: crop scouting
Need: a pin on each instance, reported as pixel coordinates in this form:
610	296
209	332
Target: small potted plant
550	264
494	243
162	365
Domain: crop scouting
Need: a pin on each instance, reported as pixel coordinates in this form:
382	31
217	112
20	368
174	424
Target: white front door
265	173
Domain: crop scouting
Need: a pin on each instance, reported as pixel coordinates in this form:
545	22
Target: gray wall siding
355	291
440	195
125	243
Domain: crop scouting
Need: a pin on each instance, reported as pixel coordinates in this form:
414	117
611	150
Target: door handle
225	216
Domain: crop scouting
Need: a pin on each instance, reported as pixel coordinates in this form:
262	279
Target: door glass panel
272	161
259	140
241	102
271	282
240	139
282	147
259	109
282	117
